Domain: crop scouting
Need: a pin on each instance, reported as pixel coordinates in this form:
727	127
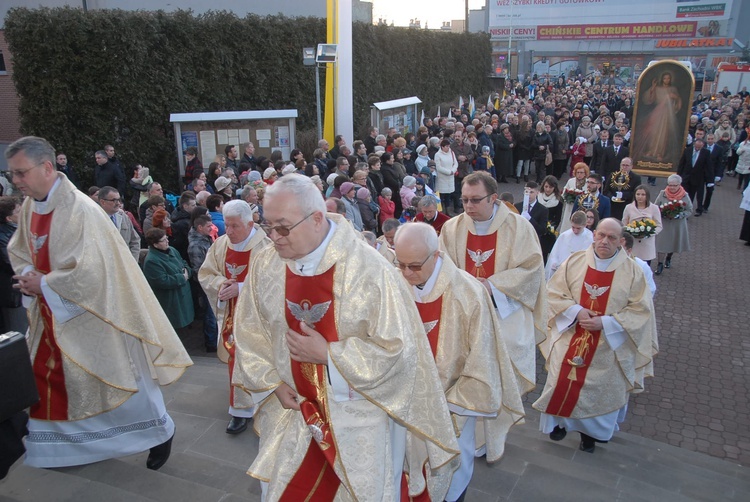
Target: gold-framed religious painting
663	100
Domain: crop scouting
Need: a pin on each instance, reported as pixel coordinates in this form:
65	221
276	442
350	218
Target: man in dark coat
107	173
61	161
696	170
535	213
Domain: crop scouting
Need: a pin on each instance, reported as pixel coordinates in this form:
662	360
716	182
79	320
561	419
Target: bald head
416	248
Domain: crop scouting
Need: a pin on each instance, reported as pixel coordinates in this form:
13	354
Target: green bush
86	79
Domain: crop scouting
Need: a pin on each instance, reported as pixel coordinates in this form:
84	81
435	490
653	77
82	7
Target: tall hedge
86	79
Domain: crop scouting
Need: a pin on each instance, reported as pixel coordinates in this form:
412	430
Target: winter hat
410	181
363	193
221	183
330	178
253	176
270	171
421	149
346	187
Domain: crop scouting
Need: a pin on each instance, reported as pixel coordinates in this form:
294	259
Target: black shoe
705	210
558	433
698	214
588	444
525	178
158	455
668	263
659	269
518	179
237	425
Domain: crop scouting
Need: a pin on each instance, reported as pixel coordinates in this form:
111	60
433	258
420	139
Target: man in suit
111	202
600	146
613	156
593	198
620	187
696	170
534	212
716	153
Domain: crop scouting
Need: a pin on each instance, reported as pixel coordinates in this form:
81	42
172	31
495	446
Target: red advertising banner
616	31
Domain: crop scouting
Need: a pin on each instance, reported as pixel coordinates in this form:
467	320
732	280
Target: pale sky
434	12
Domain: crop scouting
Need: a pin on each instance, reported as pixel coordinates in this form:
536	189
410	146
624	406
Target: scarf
678	195
548	201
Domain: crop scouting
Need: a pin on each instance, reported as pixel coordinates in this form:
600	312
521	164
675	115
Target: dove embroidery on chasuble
430	314
580	353
480	251
310	300
48	364
236	266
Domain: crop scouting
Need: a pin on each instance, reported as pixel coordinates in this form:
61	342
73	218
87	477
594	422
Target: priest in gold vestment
501	249
332	348
222	277
602	340
99	341
475	370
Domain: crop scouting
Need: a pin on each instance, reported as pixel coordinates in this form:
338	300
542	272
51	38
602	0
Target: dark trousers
210	327
540	169
695	192
707	198
558	168
446	199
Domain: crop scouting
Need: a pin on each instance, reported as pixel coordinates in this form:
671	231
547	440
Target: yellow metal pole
331	77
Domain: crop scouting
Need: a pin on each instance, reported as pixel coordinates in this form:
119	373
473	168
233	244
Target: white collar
241	245
603	263
430	284
40	207
308	264
482	227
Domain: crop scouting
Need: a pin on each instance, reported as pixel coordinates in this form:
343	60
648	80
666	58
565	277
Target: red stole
310	299
580	353
48	364
430	314
480	254
236	264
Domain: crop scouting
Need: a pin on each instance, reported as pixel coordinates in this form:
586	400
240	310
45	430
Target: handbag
548	157
18	390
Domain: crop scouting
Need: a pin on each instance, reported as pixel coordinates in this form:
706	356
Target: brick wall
9	123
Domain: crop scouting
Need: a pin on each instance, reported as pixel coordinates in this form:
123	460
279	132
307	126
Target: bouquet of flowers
673	209
570	195
640	229
551	229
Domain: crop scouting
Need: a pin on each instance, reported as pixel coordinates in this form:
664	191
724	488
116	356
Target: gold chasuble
74	380
341	445
475	370
510	258
586	378
222	263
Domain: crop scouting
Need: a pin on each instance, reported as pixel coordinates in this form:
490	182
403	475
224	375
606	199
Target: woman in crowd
577	153
139	184
446	166
560	153
504	154
214	172
387	206
13	316
369	217
577	182
408	190
586	130
541	143
523	149
592	219
743	162
674	236
392	178
642	208
168	275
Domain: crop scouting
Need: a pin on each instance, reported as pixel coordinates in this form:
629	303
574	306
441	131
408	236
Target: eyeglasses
21	173
414	268
281	229
116	201
474	201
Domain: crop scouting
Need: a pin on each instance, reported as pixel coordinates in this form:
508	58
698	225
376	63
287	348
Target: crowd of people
389	292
